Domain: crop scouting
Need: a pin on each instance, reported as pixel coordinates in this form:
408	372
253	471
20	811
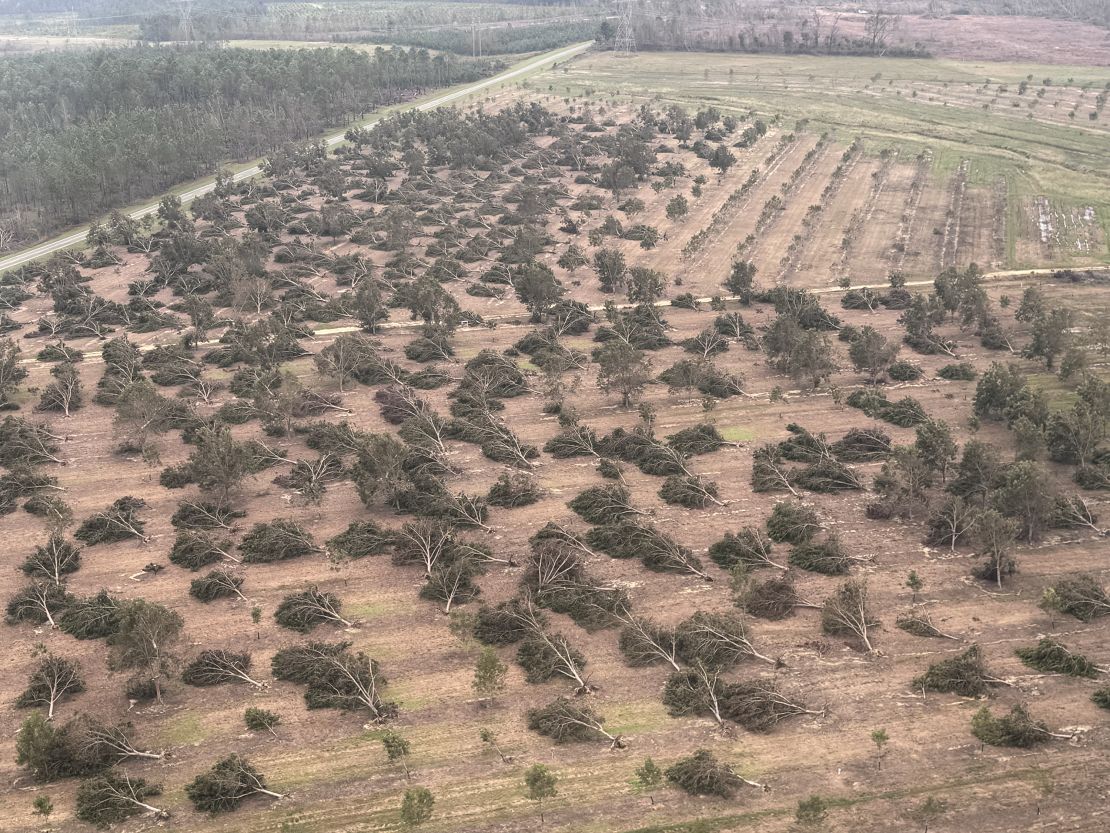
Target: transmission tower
186	9
625	41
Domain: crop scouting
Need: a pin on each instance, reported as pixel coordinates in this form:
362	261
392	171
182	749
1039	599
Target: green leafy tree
611	268
397	749
541	785
219	463
994	535
622	369
11	371
914	582
489	674
43	806
872	352
645	286
145	640
677	208
537	288
649	777
880	738
416	806
811	811
741	280
1026	494
935	447
802	354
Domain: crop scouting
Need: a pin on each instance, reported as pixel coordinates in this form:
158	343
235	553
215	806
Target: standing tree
645	286
219	464
537	288
397	749
416	806
1025	492
677	208
489	675
994	535
145	640
741	280
541	783
649	777
623	369
935	446
43	806
802	354
11	371
343	357
611	268
914	582
880	738
872	352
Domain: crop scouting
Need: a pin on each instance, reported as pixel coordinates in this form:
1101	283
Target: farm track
516	319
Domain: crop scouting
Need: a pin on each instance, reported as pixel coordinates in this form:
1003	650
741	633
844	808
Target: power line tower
625	40
185	7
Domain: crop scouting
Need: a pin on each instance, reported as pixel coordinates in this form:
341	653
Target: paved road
77	237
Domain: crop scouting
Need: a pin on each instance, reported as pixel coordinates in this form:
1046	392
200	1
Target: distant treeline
536	37
409	23
82	132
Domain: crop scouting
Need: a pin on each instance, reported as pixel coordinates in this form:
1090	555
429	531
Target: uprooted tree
223	787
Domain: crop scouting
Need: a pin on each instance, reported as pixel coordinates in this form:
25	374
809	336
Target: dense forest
89	131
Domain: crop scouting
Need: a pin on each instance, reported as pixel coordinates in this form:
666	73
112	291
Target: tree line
88	131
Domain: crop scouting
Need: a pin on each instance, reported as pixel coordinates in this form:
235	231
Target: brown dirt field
997	38
824	244
332	764
926	238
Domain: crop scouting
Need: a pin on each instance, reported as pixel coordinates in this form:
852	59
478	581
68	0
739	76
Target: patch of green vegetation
183	730
736	433
411	698
636	717
1059	395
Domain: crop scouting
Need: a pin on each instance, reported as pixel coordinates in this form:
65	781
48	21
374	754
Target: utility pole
625	41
